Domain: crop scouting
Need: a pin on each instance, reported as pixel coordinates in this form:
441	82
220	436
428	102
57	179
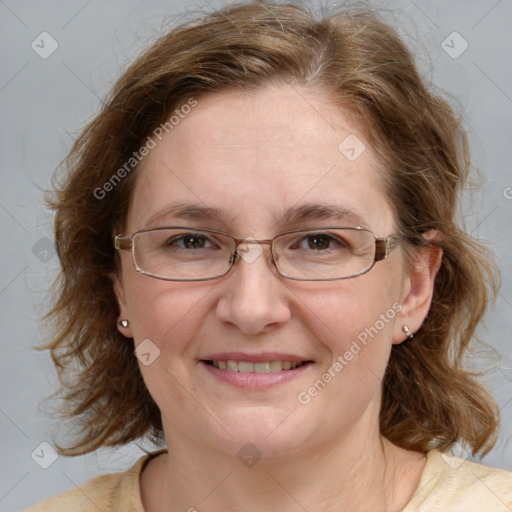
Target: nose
254	298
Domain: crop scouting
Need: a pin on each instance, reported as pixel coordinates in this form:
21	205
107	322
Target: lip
254	381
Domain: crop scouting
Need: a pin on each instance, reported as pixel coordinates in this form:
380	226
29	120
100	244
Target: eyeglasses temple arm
122	244
383	246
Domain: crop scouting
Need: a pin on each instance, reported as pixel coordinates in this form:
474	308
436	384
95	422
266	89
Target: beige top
448	484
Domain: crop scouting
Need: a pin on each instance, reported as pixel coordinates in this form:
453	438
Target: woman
264	209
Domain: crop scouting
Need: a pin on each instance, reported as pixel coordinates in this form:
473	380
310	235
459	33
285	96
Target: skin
255	156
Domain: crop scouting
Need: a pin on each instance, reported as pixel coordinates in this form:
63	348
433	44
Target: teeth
232	366
275	366
244	367
265	367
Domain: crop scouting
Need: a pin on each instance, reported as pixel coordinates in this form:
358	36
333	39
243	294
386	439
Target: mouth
252	372
255	367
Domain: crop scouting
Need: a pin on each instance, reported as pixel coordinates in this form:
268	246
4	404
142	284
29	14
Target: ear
117	283
418	287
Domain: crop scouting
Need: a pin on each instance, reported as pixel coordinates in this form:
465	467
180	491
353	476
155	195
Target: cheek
346	310
354	323
170	316
356	340
167	313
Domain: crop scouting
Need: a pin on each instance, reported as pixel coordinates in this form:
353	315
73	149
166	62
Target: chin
260	431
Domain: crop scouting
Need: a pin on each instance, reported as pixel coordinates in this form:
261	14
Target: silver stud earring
407	331
124	323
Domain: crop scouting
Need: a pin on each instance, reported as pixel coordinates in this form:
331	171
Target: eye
190	241
321	242
318	241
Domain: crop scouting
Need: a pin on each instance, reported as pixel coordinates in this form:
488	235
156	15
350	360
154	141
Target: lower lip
255	380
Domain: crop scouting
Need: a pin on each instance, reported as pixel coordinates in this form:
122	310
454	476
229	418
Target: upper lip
254	358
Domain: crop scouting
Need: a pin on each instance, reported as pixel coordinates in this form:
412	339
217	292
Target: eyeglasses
176	253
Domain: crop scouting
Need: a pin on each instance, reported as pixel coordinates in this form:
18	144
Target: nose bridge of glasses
250	249
250	240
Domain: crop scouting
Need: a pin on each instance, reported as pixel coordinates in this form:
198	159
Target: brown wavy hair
428	399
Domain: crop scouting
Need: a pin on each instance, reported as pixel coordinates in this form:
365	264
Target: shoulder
114	491
454	484
96	494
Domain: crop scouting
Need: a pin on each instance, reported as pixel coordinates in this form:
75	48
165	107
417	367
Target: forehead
255	158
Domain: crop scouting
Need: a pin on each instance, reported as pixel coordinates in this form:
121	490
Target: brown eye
189	241
194	241
319	241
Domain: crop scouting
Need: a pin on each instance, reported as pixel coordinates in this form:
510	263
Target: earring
124	323
407	331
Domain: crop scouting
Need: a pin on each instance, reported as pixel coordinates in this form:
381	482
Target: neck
362	471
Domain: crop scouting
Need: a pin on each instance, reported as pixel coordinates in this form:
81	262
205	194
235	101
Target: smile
260	367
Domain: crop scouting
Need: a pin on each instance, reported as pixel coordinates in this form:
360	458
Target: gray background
45	102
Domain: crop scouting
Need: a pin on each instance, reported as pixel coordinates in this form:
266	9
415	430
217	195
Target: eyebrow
187	211
323	212
293	216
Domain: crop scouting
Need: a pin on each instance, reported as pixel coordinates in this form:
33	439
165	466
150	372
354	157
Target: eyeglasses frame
383	247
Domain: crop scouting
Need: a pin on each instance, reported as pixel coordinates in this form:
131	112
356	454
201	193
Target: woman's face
258	160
